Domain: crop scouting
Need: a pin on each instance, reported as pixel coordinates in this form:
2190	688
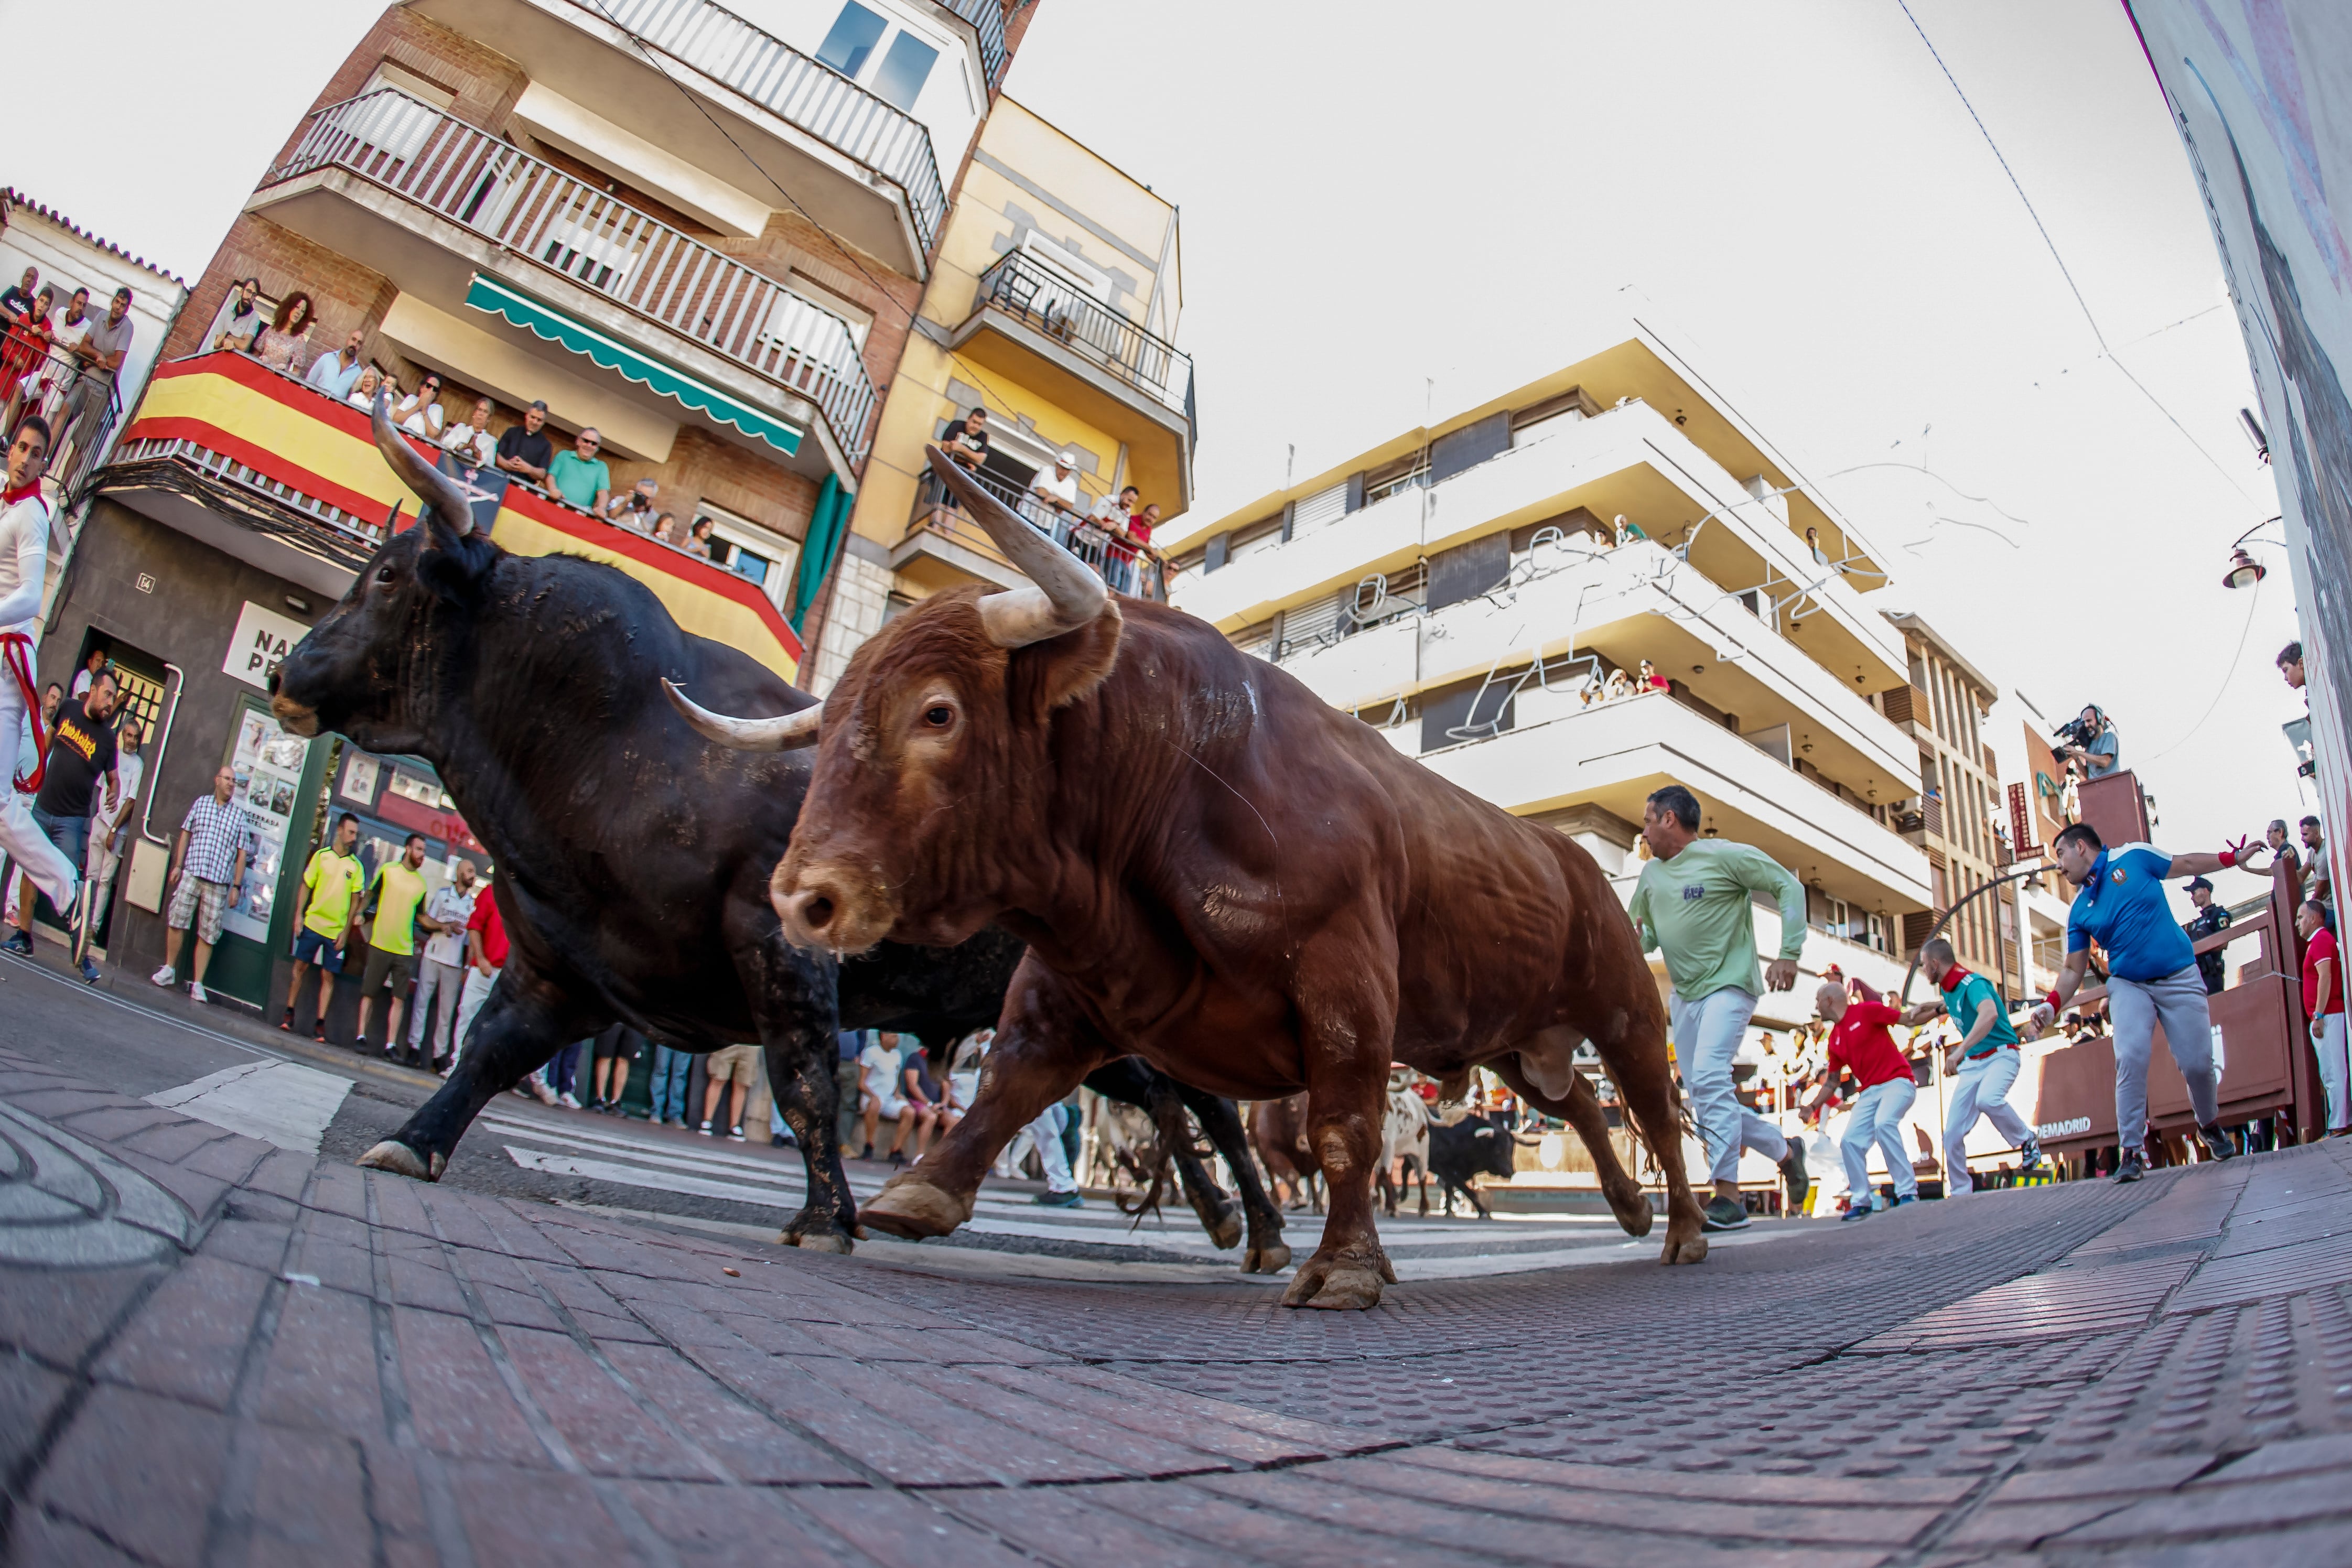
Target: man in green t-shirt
1695	904
579	475
392	902
322	919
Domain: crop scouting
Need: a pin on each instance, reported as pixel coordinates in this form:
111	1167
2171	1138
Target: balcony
987	20
1062	343
1560	753
857	165
276	473
944	548
1630	460
437	204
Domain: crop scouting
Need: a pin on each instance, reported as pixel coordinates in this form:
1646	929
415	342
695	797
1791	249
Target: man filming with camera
2091	741
2153	975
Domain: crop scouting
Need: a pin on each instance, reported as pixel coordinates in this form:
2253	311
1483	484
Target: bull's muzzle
829	907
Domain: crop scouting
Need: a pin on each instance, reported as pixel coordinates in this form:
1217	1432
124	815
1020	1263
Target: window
394	127
904	70
759	555
851	43
1405	474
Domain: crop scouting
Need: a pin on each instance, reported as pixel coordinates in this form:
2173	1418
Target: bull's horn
437	491
784	734
1066	596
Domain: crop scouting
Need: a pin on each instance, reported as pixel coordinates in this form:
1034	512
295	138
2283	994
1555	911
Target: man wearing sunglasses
579	475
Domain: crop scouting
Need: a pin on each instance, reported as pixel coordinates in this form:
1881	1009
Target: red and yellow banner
322	446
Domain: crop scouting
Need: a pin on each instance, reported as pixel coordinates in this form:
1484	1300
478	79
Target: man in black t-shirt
967	439
524	451
80	760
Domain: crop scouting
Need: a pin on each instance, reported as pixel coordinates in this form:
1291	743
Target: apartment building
1594	585
1962	817
699	229
1053	305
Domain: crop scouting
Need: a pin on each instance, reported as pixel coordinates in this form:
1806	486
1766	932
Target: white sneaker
164	977
569	1101
196	992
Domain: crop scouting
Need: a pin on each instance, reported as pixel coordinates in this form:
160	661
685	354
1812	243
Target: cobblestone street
229	1353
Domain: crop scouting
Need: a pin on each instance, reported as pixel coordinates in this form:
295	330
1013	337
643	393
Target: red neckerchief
1953	978
10	497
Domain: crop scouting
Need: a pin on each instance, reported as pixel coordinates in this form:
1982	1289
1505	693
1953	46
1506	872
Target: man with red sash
1978	1067
24	566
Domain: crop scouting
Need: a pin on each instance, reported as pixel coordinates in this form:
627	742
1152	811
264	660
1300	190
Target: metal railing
1023	288
987	18
41	377
828	106
569	226
1126	568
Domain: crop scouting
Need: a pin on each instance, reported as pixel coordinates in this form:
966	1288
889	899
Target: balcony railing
597	242
1128	568
1021	288
828	106
987	18
38	377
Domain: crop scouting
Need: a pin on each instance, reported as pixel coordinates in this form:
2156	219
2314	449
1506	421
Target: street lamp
2245	570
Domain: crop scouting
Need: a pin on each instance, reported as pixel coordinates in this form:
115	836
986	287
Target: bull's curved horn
1066	596
436	490
784	734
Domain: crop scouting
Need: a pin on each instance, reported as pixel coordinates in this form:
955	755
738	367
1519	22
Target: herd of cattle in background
1157	865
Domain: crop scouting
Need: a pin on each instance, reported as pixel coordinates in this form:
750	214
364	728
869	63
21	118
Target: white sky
1379	193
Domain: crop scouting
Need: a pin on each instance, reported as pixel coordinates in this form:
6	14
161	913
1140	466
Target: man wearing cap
524	451
2210	918
1980	1065
2151	977
1054	493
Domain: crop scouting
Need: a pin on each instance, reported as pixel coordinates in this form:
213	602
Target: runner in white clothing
24	566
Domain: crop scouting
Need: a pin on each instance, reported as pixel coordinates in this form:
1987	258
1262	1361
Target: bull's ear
1062	670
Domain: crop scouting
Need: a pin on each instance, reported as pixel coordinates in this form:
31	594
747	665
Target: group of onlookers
1113	532
59	360
1598	689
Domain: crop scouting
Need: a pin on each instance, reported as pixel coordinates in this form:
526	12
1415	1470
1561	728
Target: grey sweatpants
2178	1001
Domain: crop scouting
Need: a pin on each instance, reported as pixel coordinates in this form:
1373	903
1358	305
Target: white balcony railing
597	242
828	106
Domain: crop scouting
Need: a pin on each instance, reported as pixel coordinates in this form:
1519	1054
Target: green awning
546	321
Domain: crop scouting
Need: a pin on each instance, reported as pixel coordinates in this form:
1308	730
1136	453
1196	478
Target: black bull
632	855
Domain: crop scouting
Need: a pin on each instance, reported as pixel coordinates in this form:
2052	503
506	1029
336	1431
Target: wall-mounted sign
262	640
2022	845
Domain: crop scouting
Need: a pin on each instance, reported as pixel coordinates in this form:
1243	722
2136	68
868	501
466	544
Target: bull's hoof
1631	1206
818	1241
909	1206
1269	1260
399	1159
1685	1243
1225	1228
1337	1284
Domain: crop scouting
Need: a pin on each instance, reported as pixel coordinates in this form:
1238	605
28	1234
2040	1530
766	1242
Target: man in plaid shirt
208	862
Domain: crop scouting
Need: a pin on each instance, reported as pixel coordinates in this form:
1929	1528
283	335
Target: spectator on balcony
363	395
1053	498
239	320
337	374
18	298
1114	511
1650	681
967	442
1627	530
666	529
97	354
2290	659
2280	847
524	451
1139	526
31	331
579	475
287	339
634	508
2315	855
1618	686
470	439
699	542
419	412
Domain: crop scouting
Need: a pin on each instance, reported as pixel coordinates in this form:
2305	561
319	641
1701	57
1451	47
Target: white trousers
1707	1036
2178	1001
21	840
1981	1087
2335	1072
438	988
1877	1118
469	1002
1045	1134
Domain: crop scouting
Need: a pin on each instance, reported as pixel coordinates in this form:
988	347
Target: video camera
2076	732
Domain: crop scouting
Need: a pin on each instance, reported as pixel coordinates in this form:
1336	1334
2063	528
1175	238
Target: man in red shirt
1884	1087
486	955
2322	1003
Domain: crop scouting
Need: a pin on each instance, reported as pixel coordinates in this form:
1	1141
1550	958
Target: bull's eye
384	574
939	716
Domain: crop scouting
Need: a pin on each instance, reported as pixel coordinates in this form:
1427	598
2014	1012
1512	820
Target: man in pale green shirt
579	475
1695	904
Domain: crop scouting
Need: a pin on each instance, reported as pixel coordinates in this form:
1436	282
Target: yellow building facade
1053	304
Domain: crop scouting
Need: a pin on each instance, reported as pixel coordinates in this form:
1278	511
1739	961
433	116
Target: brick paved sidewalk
228	1354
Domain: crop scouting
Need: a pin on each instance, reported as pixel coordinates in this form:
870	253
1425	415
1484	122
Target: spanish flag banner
321	446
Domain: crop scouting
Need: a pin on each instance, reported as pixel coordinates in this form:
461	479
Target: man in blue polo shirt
1978	1067
2152	977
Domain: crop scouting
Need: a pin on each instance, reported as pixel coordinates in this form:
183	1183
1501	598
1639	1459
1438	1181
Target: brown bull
1213	871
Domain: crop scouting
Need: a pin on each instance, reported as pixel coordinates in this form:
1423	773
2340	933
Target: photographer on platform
2153	975
2091	740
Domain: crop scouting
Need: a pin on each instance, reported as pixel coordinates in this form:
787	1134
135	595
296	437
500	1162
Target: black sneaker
1793	1175
358	1043
2217	1143
287	1023
19	944
2132	1166
2030	1156
1724	1214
